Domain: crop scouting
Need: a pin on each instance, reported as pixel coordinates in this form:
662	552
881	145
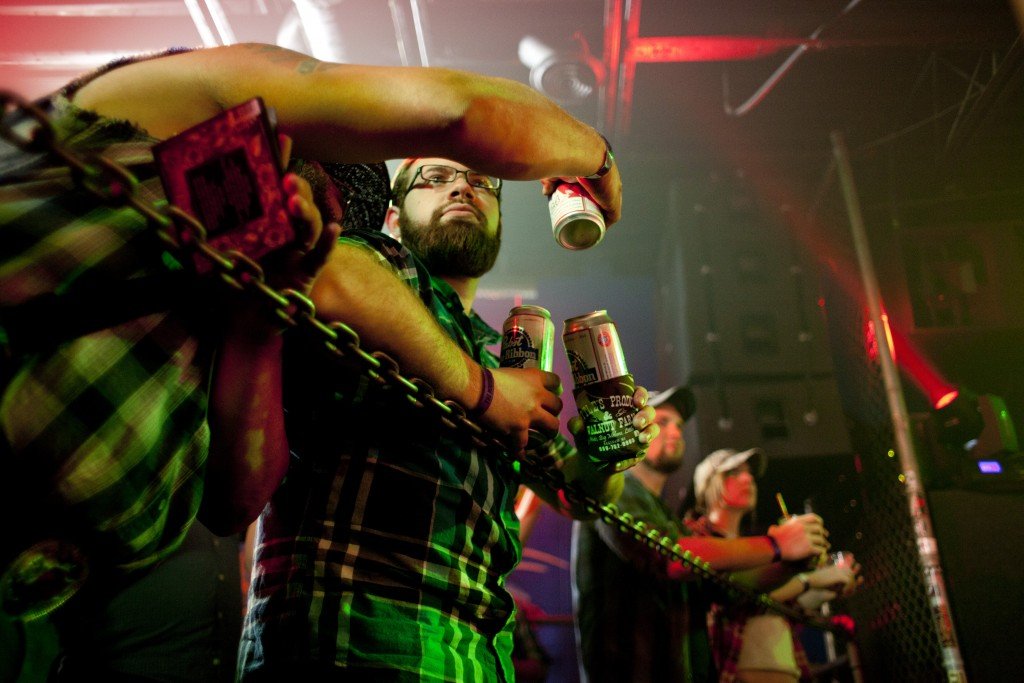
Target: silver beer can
576	219
528	339
603	391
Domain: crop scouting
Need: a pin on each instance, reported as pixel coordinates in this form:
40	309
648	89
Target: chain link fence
894	613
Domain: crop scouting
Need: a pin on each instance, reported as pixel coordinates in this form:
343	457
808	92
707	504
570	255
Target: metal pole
926	545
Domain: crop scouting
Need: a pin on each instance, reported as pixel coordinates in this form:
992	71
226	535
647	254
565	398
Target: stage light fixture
958	419
982	442
568	77
976	430
998	437
979	426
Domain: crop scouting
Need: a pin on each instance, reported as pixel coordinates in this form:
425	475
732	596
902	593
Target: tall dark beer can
603	390
528	339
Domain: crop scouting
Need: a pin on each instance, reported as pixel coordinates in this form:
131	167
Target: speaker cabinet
981	546
785	417
738	295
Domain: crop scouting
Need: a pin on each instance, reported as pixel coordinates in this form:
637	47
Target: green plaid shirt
385	551
104	434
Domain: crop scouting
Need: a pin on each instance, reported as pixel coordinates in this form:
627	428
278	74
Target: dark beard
458	247
663	466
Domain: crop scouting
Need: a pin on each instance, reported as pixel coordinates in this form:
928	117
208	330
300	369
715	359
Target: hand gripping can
528	339
576	220
603	390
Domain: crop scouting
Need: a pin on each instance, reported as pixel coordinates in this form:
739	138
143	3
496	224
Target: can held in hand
576	219
528	339
603	390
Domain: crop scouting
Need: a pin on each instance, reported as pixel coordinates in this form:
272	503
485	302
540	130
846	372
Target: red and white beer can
576	219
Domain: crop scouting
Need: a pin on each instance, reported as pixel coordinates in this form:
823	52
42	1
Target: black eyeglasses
439	174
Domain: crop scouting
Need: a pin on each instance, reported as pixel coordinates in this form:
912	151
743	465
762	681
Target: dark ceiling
931	89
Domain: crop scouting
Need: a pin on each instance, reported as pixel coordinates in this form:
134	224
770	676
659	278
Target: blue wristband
776	550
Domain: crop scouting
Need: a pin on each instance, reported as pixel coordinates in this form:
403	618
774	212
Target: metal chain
116	186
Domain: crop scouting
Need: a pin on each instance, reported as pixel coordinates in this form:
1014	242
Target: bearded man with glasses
383	556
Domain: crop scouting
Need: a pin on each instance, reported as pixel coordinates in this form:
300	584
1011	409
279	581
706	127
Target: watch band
805	581
609	159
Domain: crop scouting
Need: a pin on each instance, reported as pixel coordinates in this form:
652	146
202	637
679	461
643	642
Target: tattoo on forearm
304	64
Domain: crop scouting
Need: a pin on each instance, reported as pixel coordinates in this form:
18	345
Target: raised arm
351	113
801	537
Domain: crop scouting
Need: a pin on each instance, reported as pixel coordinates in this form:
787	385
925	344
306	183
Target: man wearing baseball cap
639	617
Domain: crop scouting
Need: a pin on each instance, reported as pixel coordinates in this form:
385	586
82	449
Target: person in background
751	645
640	617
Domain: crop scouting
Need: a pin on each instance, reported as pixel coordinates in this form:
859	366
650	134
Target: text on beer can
576	220
528	339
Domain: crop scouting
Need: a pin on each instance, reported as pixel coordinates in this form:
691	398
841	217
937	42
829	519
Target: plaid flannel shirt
726	623
385	552
104	434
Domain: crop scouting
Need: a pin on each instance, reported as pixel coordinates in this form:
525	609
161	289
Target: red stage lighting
939	391
965	423
946	399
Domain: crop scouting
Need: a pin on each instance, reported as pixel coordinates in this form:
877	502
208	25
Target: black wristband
609	160
805	581
486	394
776	550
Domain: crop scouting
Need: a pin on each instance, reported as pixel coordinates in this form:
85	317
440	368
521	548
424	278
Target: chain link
116	186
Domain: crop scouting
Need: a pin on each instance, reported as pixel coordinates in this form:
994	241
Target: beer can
528	339
603	391
576	220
